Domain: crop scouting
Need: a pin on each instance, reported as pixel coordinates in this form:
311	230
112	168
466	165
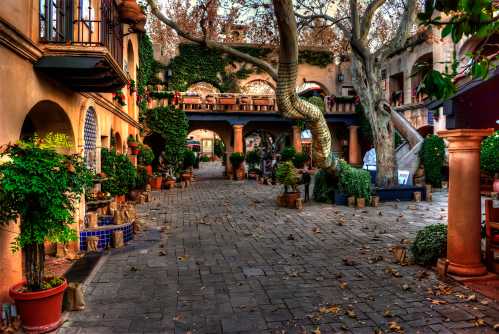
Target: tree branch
354	14
368	16
263	65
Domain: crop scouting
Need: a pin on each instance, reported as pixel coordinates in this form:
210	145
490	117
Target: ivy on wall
146	69
196	63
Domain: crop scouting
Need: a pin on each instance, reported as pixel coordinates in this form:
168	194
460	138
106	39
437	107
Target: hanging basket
129	11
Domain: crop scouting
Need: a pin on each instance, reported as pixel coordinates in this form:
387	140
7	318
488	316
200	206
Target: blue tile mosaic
105	235
105	220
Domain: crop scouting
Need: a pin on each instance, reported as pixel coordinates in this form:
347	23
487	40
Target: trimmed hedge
430	244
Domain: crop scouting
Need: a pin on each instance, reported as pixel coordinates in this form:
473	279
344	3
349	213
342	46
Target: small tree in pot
41	187
253	159
288	176
237	159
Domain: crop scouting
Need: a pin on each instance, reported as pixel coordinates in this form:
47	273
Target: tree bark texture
34	264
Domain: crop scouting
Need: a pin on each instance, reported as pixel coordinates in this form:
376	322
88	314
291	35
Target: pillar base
467	270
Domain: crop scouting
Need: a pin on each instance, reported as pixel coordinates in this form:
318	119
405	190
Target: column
238	138
354	146
297	138
463	237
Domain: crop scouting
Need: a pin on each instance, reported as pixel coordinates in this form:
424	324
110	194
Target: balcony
82	44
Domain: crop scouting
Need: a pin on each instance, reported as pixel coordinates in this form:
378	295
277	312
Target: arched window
258	87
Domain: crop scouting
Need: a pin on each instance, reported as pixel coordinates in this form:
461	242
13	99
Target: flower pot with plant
253	159
39	187
236	160
156	181
121	174
355	183
146	158
119	98
132	142
288	176
188	163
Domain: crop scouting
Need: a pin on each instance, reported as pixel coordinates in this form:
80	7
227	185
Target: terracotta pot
186	176
417	196
129	11
170	184
240	173
149	170
133	195
495	185
361	203
120	198
351	201
374	201
155	182
135	152
291	198
40	311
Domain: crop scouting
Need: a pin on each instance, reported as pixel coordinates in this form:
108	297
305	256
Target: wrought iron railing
83	23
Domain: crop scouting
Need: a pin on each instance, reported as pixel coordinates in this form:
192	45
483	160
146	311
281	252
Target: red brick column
354	146
297	138
463	240
238	138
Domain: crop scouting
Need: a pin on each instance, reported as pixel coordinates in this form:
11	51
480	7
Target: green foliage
323	187
354	181
236	159
146	69
189	159
317	101
172	125
142	177
463	18
219	148
41	187
317	58
300	159
253	159
121	175
205	158
430	244
288	153
131	139
287	175
432	156
161	95
146	155
489	154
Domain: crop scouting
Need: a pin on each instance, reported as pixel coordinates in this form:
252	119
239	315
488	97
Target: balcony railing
82	23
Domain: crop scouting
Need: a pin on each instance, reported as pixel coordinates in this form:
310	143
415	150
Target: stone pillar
297	138
463	240
10	263
354	146
238	138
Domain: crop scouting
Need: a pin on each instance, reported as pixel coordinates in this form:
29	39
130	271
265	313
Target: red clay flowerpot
135	151
120	198
155	182
170	184
291	198
186	176
129	12
149	170
40	311
133	144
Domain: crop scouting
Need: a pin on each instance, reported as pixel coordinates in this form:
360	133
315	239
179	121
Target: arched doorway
90	138
258	87
47	117
118	144
207	143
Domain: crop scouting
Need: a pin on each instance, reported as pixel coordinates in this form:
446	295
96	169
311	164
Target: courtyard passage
221	257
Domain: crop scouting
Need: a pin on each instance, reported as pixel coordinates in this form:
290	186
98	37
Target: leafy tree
287	175
430	244
489	154
146	155
219	148
41	187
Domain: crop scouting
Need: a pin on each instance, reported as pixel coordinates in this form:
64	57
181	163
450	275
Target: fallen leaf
316	230
437	301
395	327
330	309
387	313
291	237
422	274
471	298
343	285
352	314
316	331
162	253
183	258
405	286
477	322
348	261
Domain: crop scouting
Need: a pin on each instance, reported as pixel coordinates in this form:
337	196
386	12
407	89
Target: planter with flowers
133	144
40	188
146	158
119	98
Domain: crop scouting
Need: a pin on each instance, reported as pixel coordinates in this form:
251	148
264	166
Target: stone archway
312	88
47	117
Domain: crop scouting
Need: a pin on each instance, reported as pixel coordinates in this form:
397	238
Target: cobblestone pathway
220	257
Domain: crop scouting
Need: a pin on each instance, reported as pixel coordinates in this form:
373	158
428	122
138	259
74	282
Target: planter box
191	100
401	193
227	100
263	102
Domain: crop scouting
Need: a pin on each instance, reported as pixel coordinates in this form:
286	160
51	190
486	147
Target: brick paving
220	257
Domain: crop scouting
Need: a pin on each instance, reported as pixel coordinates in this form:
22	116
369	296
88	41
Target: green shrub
121	175
489	154
432	156
300	159
287	175
205	158
236	159
142	177
317	101
323	187
288	153
146	155
219	148
41	187
353	181
253	159
430	244
189	159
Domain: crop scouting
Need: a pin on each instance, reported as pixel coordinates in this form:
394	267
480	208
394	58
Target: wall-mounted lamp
340	77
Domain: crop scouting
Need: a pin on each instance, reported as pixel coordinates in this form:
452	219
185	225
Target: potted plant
156	181
253	159
121	174
236	159
171	181
354	182
300	159
288	153
40	187
288	176
146	158
489	158
119	98
188	163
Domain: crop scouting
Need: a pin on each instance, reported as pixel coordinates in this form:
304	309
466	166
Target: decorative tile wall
105	235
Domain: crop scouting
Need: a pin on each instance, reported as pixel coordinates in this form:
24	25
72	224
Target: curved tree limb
368	17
